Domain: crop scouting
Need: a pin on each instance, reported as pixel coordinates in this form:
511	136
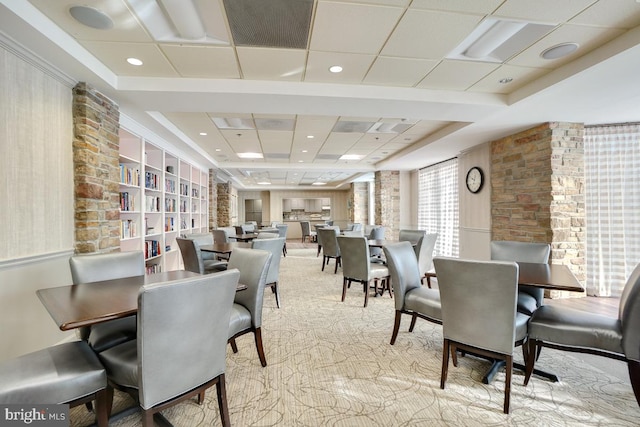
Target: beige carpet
330	364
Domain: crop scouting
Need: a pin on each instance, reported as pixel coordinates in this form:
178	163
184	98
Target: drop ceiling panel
465	6
545	11
352	28
398	71
456	75
126	27
203	61
520	75
611	13
354	67
114	55
429	34
586	37
275	141
272	64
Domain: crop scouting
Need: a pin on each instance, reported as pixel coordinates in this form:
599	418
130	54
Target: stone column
213	200
224	204
387	202
96	146
359	202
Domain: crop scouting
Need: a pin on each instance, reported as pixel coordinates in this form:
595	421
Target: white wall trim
31	259
476	230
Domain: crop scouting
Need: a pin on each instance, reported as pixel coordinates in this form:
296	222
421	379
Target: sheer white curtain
438	205
612	203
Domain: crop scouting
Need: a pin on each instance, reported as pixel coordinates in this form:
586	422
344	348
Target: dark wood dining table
247	237
224	247
86	304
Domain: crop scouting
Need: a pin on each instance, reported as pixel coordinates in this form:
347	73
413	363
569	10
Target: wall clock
475	179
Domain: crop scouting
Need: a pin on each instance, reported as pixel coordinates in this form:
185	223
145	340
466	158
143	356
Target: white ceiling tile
203	61
352	28
542	11
429	34
611	13
398	71
272	64
465	6
520	75
114	55
456	75
354	67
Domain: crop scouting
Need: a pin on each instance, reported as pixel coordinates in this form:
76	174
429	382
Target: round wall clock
475	179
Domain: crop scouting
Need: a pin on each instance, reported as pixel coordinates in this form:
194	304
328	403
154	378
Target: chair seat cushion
378	270
424	301
121	363
114	332
213	266
527	303
240	319
57	374
576	329
522	326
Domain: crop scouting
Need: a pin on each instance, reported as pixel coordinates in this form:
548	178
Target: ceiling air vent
270	23
352	127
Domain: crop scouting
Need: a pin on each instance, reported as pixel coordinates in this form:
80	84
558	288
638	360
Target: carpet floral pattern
330	364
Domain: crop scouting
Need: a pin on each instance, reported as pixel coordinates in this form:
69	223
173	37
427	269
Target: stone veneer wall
213	200
358	206
225	199
96	123
537	191
387	202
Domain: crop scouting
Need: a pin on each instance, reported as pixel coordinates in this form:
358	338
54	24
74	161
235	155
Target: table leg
498	364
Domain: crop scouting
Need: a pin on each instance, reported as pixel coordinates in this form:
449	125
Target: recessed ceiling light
559	50
505	80
91	17
218	149
264	183
300	161
351	157
250	155
304	151
310	136
335	69
319	183
134	61
203	133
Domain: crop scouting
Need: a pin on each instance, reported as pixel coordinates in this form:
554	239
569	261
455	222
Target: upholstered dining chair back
478	310
412	236
220	236
267	234
203	239
273	245
529	297
629	316
356	263
376	233
191	255
282	230
107	266
424	252
305	228
330	248
171	360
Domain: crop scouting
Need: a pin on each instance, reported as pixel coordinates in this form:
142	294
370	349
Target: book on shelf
129	175
152	204
151	248
151	181
127	202
169	224
128	229
170	186
169	204
153	268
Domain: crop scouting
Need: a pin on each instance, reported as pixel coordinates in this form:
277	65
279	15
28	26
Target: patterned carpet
330	364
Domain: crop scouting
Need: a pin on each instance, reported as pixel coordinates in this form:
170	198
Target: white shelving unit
161	197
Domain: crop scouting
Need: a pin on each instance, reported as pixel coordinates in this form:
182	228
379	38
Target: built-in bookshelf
161	197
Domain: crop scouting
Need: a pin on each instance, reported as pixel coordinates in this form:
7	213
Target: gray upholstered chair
203	239
267	235
568	329
356	227
99	267
479	312
273	245
529	298
192	258
412	236
409	294
424	254
282	232
246	313
68	373
318	239
330	248
376	233
221	235
357	266
171	360
307	234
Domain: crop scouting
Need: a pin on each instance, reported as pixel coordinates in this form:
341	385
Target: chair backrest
403	269
478	302
376	232
412	236
282	230
178	354
355	256
202	238
273	245
249	227
424	252
254	266
305	227
267	235
356	227
629	315
191	255
220	236
230	230
113	265
329	243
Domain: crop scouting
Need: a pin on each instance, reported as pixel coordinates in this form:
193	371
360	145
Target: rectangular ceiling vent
275	124
352	127
270	23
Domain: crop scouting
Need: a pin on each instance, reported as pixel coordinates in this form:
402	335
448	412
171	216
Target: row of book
153	268
127	203
170	186
151	248
128	229
169	224
151	181
152	204
184	189
194	192
129	176
169	204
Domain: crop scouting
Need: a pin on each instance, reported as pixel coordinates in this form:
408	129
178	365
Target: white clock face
474	180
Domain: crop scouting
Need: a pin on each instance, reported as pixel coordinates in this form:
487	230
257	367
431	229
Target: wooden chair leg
335	271
222	401
147	418
258	338
344	288
201	397
634	377
234	347
396	327
530	360
366	293
454	354
104	399
276	290
414	317
507	385
445	363
324	261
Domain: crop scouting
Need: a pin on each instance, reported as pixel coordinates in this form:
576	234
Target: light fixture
250	155
304	151
351	157
300	161
505	80
319	183
218	149
559	50
185	18
91	17
203	133
310	136
233	123
264	183
134	61
335	69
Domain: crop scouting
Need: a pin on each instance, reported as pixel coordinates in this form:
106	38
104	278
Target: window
438	205
612	203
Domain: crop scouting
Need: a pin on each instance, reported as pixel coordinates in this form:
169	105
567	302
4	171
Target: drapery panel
612	203
438	205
